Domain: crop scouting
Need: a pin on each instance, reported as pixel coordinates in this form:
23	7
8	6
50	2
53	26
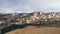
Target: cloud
28	6
12	6
45	3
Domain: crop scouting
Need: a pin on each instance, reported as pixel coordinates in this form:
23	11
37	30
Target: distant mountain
28	13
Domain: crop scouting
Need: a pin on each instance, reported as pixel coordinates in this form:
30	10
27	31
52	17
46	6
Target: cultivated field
36	30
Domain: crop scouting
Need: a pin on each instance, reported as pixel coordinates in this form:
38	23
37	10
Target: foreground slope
36	30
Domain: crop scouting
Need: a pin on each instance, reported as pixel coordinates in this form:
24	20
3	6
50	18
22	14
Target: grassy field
36	30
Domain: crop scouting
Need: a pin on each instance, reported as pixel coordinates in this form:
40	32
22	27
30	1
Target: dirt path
35	30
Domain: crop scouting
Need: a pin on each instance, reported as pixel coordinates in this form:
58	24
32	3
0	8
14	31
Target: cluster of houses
35	17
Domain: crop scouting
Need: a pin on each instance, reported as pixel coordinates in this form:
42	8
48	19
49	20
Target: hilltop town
29	18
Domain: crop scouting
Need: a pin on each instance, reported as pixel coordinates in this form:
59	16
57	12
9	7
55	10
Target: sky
28	6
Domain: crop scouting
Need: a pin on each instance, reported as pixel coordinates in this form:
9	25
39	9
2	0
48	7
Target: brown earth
36	30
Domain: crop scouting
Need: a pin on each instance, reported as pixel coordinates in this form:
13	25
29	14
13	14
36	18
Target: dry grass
35	30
